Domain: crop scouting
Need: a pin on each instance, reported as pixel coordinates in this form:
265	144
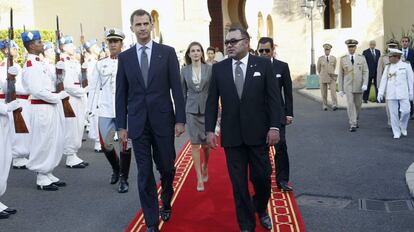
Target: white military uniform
93	97
397	86
104	74
382	62
351	78
47	120
78	100
20	141
5	146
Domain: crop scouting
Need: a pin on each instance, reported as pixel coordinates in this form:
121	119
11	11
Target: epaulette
388	64
103	58
344	56
406	61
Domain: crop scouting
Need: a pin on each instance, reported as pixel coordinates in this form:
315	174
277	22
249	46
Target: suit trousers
399	121
412	110
366	93
354	101
242	160
148	147
324	92
282	158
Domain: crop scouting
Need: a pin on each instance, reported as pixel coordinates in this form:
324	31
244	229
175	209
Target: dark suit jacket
248	120
195	98
138	104
410	57
282	74
371	61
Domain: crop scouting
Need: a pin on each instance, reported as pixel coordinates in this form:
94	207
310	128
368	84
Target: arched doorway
224	14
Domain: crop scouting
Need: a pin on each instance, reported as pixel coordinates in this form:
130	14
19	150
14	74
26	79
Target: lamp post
308	6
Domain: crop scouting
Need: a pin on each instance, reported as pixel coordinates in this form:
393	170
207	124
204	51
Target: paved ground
326	160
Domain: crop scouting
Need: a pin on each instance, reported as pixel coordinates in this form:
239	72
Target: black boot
125	160
114	162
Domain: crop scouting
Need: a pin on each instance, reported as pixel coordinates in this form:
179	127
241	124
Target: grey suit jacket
195	98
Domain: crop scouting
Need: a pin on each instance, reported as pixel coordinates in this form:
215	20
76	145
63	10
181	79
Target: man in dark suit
372	56
144	112
408	55
281	70
250	123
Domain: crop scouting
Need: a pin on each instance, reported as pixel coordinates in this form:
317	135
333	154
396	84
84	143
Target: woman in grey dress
195	79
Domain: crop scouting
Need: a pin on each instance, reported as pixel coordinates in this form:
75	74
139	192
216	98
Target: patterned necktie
373	53
352	60
144	65
239	79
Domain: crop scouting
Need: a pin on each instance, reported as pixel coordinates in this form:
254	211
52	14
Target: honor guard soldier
105	75
397	83
353	80
47	119
74	127
20	141
382	62
5	144
91	57
327	77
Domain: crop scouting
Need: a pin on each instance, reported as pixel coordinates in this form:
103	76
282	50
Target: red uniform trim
20	96
39	102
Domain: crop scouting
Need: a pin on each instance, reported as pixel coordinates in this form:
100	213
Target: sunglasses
233	42
267	50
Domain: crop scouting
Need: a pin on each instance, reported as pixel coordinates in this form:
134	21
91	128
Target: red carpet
213	209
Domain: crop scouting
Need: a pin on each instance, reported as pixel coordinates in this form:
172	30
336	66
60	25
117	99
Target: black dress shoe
153	229
352	129
284	187
365	101
165	214
80	165
114	178
10	211
123	186
59	183
4	215
85	163
98	151
20	167
334	108
265	221
50	187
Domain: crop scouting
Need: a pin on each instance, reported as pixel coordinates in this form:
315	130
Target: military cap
67	39
89	43
394	51
392	42
5	44
47	45
351	43
327	46
28	36
114	33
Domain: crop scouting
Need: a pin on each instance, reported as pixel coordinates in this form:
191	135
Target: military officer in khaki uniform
327	77
353	80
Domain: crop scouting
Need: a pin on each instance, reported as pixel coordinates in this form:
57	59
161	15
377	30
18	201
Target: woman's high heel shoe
205	173
200	187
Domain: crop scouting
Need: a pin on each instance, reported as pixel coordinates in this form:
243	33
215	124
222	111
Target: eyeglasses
233	42
267	50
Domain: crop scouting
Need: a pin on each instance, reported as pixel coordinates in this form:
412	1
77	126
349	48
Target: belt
2	96
20	96
39	102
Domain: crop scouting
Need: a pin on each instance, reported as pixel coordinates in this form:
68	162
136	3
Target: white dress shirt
148	50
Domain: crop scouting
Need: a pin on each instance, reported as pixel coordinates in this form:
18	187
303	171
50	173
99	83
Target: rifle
19	124
67	108
84	78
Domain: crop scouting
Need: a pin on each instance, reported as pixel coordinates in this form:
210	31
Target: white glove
341	93
13	105
63	94
380	97
60	65
411	97
13	70
364	88
84	65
